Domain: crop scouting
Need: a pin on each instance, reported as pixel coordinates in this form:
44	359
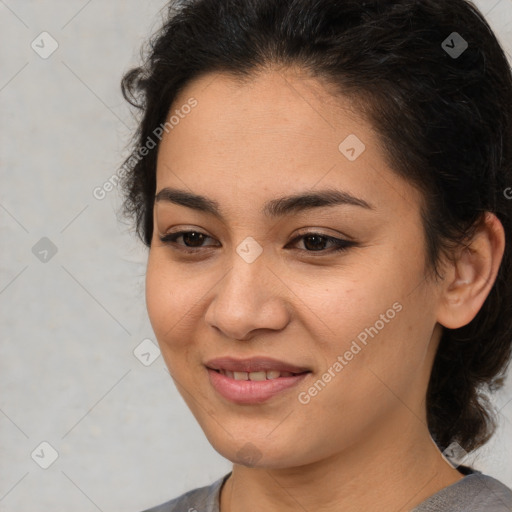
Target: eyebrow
274	208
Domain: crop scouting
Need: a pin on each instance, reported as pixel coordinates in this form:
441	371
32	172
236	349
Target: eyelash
340	245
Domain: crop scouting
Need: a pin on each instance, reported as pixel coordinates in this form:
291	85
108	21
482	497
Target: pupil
194	238
314	246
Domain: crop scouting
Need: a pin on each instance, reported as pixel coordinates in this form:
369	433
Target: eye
314	242
194	238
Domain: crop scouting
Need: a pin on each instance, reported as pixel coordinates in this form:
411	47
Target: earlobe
472	274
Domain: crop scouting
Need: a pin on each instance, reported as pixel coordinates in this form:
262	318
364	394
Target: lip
251	392
253	364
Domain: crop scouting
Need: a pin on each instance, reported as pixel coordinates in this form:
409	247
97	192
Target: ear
469	278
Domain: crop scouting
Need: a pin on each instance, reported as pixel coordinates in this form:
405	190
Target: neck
392	469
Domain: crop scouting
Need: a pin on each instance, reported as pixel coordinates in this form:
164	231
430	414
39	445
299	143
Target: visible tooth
258	376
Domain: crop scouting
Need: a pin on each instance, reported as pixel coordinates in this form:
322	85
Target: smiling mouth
256	387
259	375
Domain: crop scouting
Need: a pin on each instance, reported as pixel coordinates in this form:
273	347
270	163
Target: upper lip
253	364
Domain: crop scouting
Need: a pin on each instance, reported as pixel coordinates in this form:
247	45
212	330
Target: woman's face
361	320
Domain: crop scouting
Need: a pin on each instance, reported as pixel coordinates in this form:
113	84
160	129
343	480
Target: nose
249	298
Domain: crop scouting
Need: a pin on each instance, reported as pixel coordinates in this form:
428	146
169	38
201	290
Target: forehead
272	101
277	132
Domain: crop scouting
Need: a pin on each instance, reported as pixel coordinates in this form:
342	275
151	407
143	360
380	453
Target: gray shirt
476	492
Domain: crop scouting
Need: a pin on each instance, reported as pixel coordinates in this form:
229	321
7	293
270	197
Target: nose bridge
248	296
247	280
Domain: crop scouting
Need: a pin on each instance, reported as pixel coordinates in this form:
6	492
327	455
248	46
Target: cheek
158	297
378	320
169	300
379	353
342	306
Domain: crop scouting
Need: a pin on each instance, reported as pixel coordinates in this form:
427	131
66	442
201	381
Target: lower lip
251	391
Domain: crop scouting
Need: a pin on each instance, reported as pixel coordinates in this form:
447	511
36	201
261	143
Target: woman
324	187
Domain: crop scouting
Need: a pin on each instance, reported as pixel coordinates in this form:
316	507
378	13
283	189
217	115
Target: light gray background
124	437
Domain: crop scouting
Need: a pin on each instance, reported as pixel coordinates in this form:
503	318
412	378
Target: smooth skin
362	442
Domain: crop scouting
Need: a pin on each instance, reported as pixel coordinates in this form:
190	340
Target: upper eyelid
312	231
299	236
179	234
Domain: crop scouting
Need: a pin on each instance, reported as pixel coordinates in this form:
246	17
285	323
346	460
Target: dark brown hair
444	121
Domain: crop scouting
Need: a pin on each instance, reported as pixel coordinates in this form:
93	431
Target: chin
258	451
